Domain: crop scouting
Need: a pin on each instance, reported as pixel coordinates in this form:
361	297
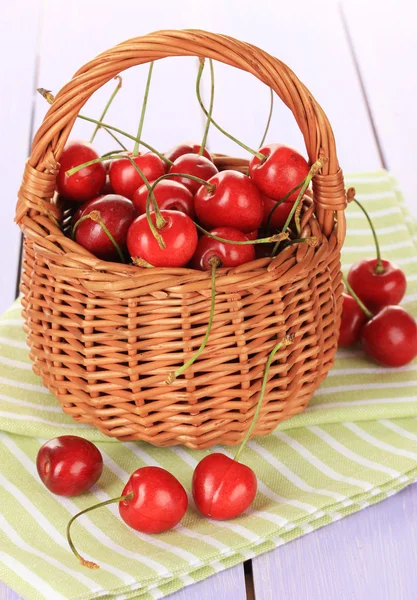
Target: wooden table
355	57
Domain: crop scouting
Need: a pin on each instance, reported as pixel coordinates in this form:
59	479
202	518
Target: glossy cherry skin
230	255
179	234
280	214
117	213
223	488
107	187
186	148
87	182
390	337
159	501
377	290
283	169
253	235
169	195
124	178
69	465
352	322
192	164
234	202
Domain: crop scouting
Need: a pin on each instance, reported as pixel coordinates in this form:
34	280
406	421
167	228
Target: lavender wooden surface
371	554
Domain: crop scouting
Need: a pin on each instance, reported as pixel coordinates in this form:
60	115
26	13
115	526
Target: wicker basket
104	336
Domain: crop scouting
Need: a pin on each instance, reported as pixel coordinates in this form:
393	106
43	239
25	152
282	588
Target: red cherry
230	255
252	235
235	202
222	487
279	215
192	164
159	501
87	182
283	169
179	234
107	187
377	290
169	195
69	465
82	208
117	213
390	337
186	148
124	178
353	320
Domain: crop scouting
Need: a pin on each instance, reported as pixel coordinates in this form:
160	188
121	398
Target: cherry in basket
230	200
169	195
87	182
186	148
102	226
172	244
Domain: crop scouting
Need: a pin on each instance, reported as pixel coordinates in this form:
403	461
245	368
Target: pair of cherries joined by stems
153	500
371	314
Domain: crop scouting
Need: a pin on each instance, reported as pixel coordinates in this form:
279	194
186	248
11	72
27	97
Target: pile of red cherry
111	221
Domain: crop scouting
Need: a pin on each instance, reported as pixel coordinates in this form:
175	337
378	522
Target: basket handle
39	177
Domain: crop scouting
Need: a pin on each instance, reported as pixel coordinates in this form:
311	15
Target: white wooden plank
18	41
384	37
309	37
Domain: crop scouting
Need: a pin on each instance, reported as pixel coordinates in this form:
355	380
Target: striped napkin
355	445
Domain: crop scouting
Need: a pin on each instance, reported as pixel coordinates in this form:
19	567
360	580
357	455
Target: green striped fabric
355	444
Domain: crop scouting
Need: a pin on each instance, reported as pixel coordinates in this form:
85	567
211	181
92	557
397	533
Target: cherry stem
357	299
83	561
143	111
313	171
49	97
141	262
261	157
278	237
285	342
95	216
106	108
210	111
379	269
159	219
214	262
310	241
271	109
278	203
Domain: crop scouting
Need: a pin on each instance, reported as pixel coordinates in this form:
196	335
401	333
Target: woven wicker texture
104	336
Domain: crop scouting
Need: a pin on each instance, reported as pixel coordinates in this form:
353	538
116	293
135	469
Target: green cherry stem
271	109
315	168
95	216
379	269
83	561
279	202
261	157
357	299
143	111
106	108
210	111
214	262
49	97
273	238
285	342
